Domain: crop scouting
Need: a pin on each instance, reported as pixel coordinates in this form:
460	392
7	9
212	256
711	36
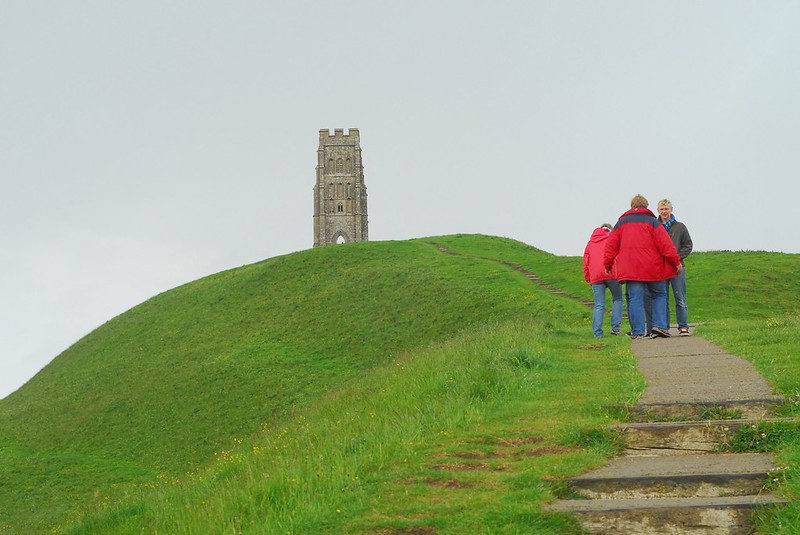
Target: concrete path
690	369
670	479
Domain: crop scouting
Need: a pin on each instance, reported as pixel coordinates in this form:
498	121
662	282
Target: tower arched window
340	165
340	208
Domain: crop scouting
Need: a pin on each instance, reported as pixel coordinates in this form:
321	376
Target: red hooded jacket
593	268
642	248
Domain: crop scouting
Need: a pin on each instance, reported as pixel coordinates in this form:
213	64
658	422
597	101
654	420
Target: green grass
461	415
378	387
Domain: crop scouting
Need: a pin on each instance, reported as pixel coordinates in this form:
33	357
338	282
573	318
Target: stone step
661	516
754	409
668	438
706	475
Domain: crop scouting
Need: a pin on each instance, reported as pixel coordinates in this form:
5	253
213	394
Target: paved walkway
690	369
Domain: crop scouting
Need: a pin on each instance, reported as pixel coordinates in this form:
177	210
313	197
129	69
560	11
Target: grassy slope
239	347
155	392
165	385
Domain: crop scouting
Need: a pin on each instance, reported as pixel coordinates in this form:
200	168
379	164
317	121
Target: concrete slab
754	409
692	369
576	506
674	346
668	516
707	463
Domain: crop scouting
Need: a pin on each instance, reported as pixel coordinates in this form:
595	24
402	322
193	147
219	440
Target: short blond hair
664	202
639	201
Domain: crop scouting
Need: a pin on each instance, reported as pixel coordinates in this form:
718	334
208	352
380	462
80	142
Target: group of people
646	253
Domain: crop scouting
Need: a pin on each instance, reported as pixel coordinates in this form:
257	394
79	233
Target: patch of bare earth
552	450
519	441
439	483
461	467
448	484
478	455
406	531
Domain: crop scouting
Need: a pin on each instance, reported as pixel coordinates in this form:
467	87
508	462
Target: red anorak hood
593	269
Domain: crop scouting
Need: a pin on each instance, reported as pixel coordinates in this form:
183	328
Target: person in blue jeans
683	243
594	273
644	256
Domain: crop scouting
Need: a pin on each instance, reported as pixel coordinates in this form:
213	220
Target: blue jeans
648	309
678	284
599	289
658	296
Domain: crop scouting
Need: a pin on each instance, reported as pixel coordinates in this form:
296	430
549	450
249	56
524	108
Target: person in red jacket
595	274
645	257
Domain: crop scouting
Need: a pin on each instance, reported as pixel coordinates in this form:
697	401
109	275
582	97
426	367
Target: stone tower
340	196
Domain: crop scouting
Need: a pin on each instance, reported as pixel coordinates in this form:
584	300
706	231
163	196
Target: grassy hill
374	387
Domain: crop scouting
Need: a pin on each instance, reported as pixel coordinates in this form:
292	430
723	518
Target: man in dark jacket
683	243
645	257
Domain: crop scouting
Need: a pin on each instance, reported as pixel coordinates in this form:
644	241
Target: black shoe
657	331
638	336
615	333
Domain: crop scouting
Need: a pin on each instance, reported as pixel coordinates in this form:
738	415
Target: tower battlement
338	136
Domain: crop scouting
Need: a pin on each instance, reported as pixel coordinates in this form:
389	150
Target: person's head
607	226
639	202
664	209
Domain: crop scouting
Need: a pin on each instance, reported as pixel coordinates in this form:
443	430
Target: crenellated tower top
339	137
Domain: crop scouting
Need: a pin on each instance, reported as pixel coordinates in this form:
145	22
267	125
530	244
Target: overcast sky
148	143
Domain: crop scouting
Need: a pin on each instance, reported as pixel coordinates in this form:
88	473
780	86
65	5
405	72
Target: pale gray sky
145	143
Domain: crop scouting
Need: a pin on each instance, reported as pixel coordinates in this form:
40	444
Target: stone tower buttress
340	196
